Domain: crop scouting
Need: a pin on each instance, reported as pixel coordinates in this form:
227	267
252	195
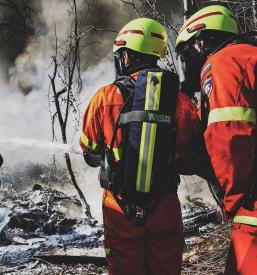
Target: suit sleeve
91	140
188	123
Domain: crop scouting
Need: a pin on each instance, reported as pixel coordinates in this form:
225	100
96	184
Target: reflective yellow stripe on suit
232	114
117	152
245	220
91	144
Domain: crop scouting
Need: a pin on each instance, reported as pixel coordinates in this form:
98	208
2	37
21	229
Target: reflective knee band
245	220
107	251
232	114
146	153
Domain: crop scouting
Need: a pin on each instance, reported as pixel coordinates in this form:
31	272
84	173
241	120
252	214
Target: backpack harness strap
145	116
127	95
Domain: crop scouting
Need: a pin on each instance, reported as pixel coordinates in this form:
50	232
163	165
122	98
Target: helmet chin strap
203	50
191	62
119	64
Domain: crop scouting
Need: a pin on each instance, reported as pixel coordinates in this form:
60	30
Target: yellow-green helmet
213	17
143	35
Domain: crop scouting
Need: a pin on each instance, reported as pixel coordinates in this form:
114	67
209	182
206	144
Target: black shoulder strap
174	103
126	85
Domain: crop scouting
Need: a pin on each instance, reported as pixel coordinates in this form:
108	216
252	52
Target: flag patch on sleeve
205	70
207	86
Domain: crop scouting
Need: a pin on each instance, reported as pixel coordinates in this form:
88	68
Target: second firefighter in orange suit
232	99
155	248
229	98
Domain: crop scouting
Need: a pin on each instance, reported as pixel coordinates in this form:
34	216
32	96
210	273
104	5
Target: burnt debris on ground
39	234
37	224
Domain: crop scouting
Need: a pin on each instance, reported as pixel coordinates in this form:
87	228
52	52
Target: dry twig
206	254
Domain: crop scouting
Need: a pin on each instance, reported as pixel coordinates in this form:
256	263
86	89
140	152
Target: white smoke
25	123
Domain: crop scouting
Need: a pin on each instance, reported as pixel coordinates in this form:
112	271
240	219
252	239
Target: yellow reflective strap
117	153
245	220
141	160
232	114
141	168
150	157
148	134
153	129
90	144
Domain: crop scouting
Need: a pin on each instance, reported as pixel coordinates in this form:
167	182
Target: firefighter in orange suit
156	247
223	64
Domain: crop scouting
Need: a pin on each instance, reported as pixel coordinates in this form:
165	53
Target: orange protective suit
228	81
156	247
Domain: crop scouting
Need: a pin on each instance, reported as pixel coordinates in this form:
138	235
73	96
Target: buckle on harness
109	174
136	215
105	173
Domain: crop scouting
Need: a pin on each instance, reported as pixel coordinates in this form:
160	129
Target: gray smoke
27	56
30	32
14	31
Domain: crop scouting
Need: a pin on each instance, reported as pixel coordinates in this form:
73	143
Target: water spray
18	144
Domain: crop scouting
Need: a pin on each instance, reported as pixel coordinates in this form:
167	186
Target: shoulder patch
205	70
207	86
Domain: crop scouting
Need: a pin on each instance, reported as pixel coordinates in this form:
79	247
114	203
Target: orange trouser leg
124	244
154	249
242	256
165	238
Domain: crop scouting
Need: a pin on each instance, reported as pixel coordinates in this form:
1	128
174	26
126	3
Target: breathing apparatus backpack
145	172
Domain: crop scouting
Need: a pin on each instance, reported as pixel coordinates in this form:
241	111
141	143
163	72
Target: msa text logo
152	117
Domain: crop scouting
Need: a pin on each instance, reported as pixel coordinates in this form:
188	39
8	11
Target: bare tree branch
66	67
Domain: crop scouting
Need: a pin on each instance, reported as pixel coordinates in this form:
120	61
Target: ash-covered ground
43	229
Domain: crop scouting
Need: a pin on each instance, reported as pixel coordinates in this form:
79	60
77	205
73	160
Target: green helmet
213	17
143	35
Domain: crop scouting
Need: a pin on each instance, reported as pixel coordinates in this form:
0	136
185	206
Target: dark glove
195	161
92	160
